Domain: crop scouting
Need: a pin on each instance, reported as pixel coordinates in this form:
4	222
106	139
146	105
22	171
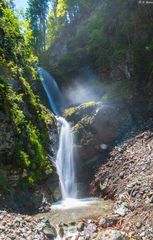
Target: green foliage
30	149
103	35
37	14
64	14
30	120
61	8
25	158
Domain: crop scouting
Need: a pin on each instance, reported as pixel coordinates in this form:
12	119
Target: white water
65	155
54	95
65	160
73	203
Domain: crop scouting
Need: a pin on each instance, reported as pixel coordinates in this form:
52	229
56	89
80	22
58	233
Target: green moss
88	104
30	120
25	158
70	112
84	123
73	114
30	150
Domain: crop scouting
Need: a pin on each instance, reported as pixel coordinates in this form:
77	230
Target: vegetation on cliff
25	120
114	38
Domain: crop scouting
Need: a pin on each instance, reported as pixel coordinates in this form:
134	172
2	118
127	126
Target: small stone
112	235
143	229
131	234
108	222
61	232
87	237
142	234
121	175
120	150
127	229
138	225
81	238
151	199
48	232
45	220
94	235
91	228
80	227
76	237
73	223
121	209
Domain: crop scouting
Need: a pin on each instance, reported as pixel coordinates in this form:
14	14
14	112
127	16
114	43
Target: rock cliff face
7	138
95	125
28	133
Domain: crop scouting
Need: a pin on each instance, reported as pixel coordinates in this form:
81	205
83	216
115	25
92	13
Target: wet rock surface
96	124
127	178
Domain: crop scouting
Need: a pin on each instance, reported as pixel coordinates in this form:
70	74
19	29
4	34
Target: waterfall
65	155
65	160
54	95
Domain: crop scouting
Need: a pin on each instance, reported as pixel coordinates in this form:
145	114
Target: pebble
151	199
61	232
138	225
91	228
80	226
108	221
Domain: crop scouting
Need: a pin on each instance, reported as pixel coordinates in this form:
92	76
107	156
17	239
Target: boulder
51	188
95	125
109	221
112	235
28	201
47	228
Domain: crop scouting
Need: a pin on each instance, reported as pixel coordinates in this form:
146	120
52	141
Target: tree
37	14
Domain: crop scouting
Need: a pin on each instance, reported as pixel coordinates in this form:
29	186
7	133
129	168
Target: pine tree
37	14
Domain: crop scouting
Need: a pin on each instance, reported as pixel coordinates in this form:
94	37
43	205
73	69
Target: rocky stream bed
126	179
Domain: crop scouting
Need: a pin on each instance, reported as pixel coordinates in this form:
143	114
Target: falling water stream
65	160
54	95
65	155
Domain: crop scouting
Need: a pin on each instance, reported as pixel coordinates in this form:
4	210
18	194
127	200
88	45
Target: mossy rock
73	114
95	124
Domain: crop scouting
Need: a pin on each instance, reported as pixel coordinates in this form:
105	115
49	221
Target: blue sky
21	4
